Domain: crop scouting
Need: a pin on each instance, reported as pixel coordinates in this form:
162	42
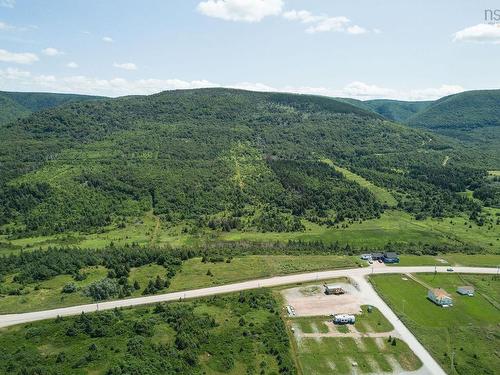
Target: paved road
357	274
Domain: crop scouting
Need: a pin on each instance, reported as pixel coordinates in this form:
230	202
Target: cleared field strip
382	195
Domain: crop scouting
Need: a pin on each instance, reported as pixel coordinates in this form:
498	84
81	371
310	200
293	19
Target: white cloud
324	23
303	16
434	93
4	26
18	58
50	51
240	10
14	74
126	66
7	3
107	39
481	33
72	65
358	90
329	24
15	79
356	30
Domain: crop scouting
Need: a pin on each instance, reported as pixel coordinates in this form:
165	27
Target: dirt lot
312	300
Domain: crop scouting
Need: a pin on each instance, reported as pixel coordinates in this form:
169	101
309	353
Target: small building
440	297
366	257
377	256
334	289
466	290
390	257
344	319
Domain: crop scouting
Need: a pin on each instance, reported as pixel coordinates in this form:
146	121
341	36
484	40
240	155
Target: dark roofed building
390	257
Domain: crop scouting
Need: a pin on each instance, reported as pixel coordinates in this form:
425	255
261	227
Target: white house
440	297
466	290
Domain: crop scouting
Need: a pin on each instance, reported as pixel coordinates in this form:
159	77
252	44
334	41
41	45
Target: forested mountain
222	158
14	105
394	110
473	117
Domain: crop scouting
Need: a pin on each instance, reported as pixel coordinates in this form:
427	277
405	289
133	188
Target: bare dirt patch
312	301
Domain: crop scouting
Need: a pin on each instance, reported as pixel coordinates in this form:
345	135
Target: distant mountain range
227	158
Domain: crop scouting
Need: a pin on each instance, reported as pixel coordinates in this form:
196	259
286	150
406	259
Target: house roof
440	293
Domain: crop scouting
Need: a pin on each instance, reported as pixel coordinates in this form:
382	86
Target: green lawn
311	324
232	334
372	321
470	329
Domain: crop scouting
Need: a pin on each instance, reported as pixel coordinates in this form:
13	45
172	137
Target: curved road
358	274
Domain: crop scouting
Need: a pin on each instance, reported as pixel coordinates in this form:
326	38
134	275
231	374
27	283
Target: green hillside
223	160
14	105
396	110
472	117
465	111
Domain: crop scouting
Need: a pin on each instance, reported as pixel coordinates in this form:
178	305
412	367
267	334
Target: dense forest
224	159
218	334
15	105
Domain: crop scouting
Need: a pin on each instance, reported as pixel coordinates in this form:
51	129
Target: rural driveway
358	274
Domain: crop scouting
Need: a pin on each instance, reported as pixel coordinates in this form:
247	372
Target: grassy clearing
193	273
475	260
336	355
314	324
48	294
382	195
392	226
206	336
470	329
372	321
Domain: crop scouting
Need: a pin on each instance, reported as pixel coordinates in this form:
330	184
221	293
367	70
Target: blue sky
363	49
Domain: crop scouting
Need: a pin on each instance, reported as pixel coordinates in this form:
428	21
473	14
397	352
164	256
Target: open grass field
471	260
193	274
469	331
392	226
233	334
372	321
48	294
